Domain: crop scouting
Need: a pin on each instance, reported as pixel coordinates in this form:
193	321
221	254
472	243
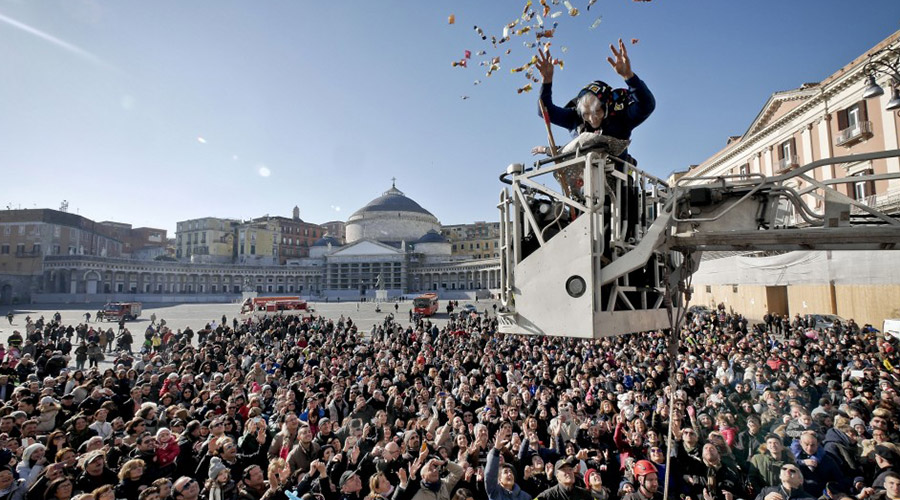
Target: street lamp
886	62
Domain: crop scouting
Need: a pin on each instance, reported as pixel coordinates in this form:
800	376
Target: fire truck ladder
614	251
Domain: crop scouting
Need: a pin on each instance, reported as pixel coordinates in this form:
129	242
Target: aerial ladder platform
612	249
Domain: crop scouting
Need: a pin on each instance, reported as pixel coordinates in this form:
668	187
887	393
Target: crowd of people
323	409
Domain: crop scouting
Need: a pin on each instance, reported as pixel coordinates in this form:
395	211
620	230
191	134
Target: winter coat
47	418
765	470
447	485
492	484
837	445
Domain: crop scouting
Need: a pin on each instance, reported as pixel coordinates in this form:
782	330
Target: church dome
391	218
393	200
325	240
432	237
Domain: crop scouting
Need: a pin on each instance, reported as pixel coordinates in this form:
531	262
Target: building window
36	249
863	189
708	288
20	249
4	249
744	171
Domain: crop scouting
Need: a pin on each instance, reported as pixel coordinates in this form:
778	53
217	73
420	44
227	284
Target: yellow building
206	240
257	242
479	240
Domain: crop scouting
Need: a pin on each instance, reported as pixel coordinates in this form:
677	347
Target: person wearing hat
500	480
94	472
646	479
598	107
593	481
565	488
887	458
790	486
350	485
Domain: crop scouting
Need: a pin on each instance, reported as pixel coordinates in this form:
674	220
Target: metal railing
888	202
855	133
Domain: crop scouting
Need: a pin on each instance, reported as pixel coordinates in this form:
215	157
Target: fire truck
426	304
116	311
273	305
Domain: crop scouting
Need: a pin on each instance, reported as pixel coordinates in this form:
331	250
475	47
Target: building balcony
851	135
787	163
888	203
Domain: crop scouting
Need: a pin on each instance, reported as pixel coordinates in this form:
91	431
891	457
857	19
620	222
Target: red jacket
167	454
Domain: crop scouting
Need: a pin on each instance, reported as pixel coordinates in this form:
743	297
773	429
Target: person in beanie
219	486
594	483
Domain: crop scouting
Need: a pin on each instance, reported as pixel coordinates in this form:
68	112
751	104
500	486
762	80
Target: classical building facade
392	243
795	127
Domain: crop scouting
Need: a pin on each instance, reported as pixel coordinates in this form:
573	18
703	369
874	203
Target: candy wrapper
480	33
545	34
451	19
526	88
634	41
591	2
547	7
596	23
555	15
572	10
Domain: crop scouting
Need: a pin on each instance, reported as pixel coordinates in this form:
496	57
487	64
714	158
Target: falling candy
480	33
461	63
464	97
468	54
481	53
547	7
508	51
529	45
476	82
573	12
591	2
451	19
527	6
526	88
564	49
597	22
634	41
555	15
523	30
545	34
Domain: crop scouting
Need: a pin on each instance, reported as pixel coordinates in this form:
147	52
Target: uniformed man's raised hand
544	65
622	64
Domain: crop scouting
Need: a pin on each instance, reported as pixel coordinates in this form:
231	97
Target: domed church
395	242
391	218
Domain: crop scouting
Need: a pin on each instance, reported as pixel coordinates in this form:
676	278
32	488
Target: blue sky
151	112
